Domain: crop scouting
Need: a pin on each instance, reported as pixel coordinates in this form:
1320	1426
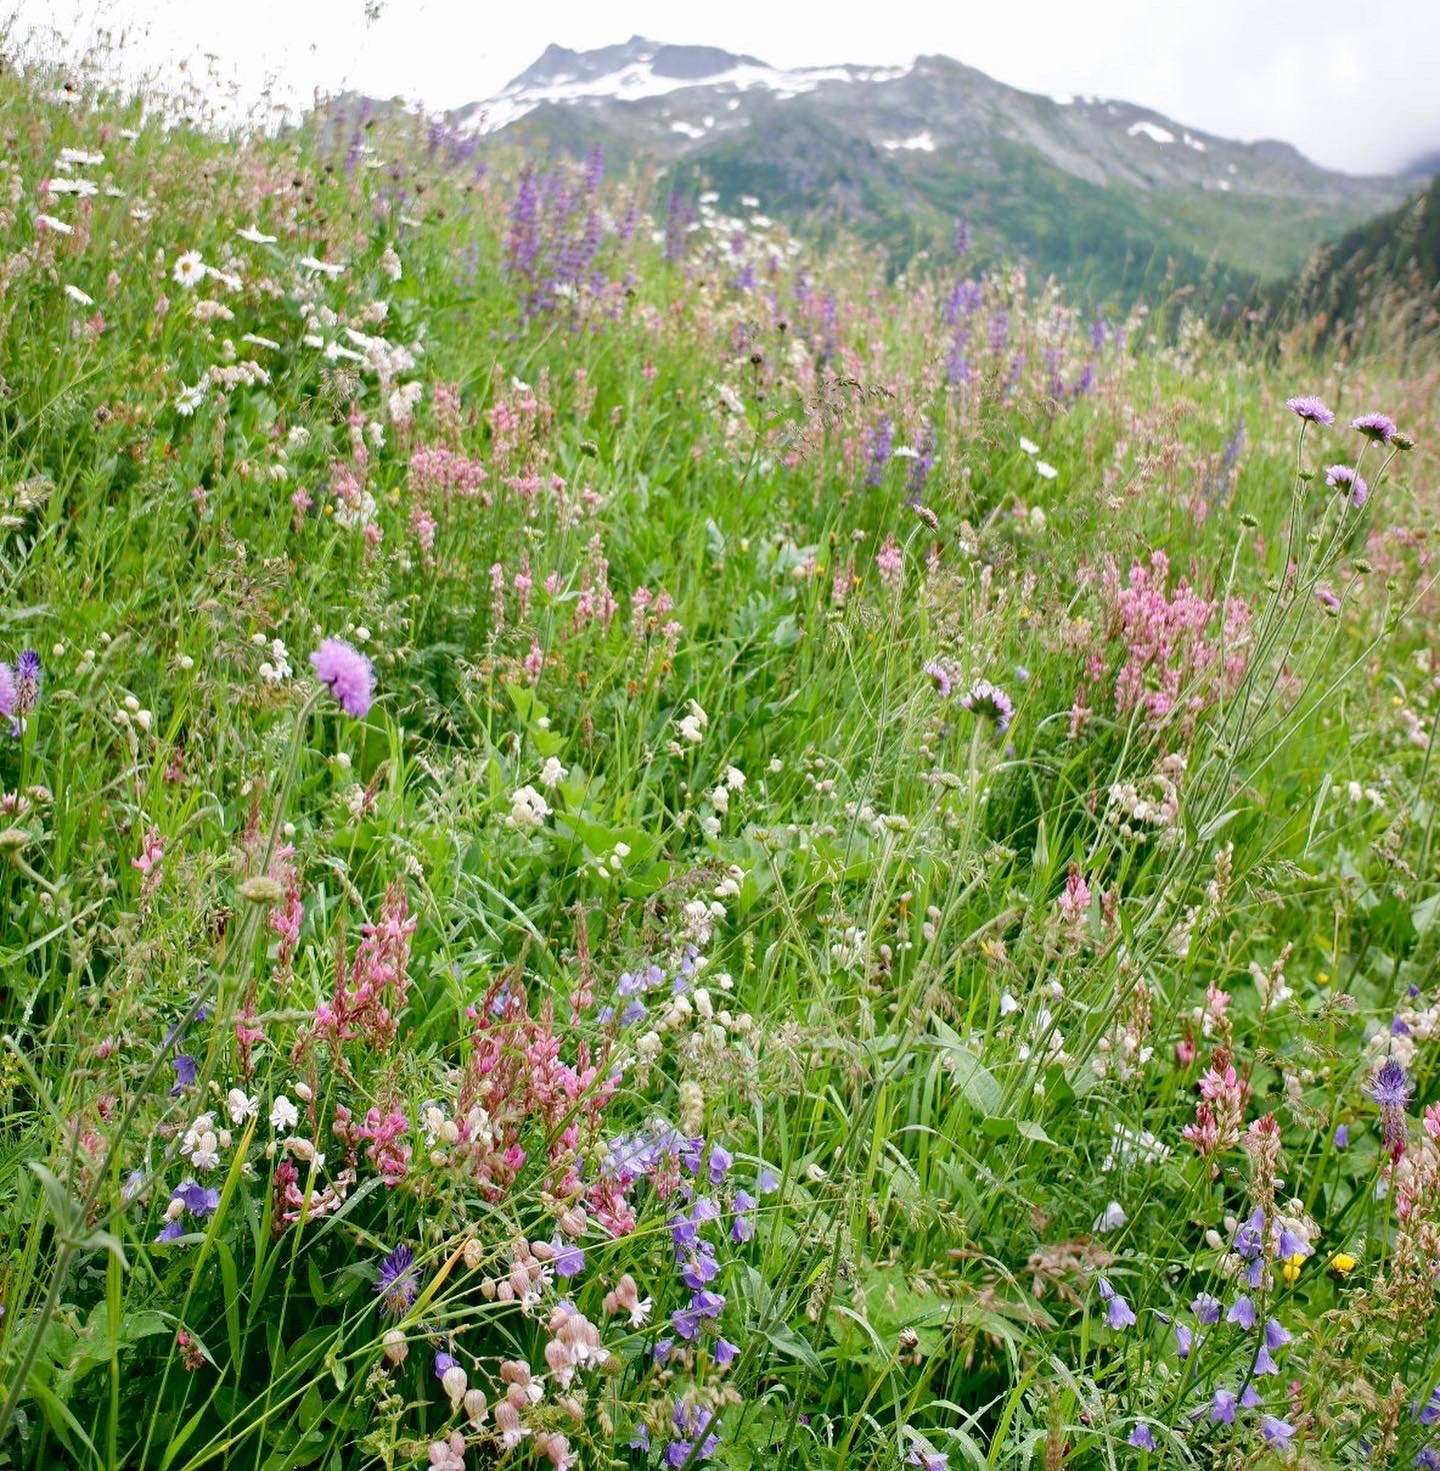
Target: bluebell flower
1141	1436
186	1071
1242	1313
1276	1432
569	1260
1206	1308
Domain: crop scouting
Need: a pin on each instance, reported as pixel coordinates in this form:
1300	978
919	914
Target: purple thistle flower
1222	1406
348	673
27	682
1344	479
1310	408
1242	1313
1276	1432
397	1285
1206	1308
1380	427
1390	1088
1141	1436
985	700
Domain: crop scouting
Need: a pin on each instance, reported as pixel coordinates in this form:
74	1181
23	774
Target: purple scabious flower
938	673
985	700
1141	1437
397	1285
1380	427
348	673
1276	1432
1327	599
1311	409
569	1260
9	693
1345	479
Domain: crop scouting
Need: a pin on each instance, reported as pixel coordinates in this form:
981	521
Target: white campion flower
284	1114
720	800
552	774
49	222
255	236
528	809
241	1106
692	726
201	1145
1048	472
77	295
1029	446
329	268
189	270
734	778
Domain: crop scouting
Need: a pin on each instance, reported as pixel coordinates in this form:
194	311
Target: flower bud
396	1348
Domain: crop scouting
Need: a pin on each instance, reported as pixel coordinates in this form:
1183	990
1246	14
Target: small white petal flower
284	1115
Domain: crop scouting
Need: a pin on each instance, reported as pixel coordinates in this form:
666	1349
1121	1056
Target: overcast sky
1354	85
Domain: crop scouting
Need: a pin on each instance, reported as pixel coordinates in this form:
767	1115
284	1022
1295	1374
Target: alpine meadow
636	837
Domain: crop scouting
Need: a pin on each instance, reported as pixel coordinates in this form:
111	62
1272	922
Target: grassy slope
888	873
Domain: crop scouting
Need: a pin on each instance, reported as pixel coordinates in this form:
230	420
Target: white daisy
190	399
49	222
189	269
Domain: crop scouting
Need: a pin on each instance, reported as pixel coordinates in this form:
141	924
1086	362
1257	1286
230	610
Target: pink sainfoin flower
378	980
148	862
1074	903
348	673
890	562
1168	647
285	919
1220	1111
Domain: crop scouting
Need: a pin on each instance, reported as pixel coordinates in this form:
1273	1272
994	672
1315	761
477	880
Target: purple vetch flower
1307	407
348	673
1118	1312
1141	1437
1206	1308
1242	1313
1345	479
397	1285
1379	427
1276	1432
985	700
938	673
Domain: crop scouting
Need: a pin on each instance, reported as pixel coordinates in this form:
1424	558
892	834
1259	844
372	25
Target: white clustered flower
552	774
201	1145
528	809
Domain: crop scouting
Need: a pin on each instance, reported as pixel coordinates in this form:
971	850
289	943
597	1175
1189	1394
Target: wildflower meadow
630	843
